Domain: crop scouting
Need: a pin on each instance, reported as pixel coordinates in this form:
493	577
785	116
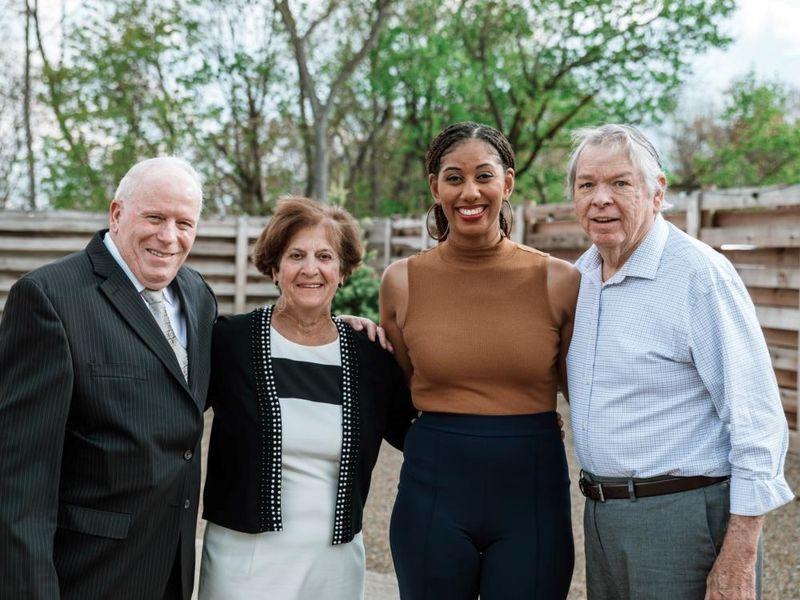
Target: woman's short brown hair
295	213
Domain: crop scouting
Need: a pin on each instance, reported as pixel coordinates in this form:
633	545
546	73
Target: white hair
617	137
130	183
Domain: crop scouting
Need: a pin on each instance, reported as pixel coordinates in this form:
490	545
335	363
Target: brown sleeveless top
480	331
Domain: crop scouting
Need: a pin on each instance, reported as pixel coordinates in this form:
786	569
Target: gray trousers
656	548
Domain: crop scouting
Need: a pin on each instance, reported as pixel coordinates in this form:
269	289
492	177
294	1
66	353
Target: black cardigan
242	489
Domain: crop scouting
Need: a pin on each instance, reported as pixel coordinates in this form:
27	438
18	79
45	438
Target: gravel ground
781	533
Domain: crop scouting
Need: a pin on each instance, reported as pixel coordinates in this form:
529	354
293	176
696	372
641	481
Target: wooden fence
757	229
220	253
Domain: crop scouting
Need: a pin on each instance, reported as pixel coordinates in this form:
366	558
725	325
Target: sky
765	35
766	40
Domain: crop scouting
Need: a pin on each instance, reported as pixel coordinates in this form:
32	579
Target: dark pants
483	507
656	548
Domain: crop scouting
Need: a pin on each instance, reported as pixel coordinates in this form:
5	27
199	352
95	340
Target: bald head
161	168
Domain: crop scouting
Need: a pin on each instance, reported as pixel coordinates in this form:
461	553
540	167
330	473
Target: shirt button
186	503
188	455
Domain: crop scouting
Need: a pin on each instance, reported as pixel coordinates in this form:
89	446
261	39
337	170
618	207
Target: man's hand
373	331
733	576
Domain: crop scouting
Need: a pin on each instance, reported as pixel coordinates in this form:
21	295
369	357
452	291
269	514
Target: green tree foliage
754	140
222	83
533	70
359	295
113	96
238	136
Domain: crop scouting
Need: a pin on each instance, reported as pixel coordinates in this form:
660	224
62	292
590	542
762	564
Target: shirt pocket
653	338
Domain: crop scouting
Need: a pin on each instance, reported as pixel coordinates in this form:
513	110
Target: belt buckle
585	486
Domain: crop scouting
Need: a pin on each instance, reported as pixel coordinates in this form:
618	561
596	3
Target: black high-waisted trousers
483	508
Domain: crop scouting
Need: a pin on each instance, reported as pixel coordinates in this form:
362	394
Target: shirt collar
169	295
642	263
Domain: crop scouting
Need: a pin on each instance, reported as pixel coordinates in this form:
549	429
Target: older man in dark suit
103	377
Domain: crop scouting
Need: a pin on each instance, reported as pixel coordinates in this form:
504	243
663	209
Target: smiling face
310	270
154	229
470	187
613	203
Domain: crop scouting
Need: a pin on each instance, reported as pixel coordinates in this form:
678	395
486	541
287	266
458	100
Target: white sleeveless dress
300	562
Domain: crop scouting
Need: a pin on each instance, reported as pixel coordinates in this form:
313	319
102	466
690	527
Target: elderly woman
481	326
301	403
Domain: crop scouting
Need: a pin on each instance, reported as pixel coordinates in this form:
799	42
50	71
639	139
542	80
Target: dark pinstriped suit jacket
99	433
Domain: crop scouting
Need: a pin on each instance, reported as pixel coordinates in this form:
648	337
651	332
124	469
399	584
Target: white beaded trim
269	409
351	442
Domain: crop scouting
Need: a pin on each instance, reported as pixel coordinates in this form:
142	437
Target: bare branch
348	67
332	6
554	129
298	45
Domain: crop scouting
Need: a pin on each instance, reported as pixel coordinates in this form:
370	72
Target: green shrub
359	295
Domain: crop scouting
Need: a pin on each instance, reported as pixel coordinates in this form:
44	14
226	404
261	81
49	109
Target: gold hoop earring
506	218
434	229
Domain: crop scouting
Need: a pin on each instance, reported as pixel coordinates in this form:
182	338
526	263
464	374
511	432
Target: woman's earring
506	218
438	227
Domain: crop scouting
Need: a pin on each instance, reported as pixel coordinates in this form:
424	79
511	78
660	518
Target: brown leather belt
633	489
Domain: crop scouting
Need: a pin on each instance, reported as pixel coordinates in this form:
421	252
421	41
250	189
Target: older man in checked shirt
675	409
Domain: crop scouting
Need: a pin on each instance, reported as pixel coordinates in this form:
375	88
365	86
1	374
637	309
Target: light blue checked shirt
669	373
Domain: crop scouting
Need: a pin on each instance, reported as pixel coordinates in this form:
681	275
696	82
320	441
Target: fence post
387	241
518	233
694	211
240	276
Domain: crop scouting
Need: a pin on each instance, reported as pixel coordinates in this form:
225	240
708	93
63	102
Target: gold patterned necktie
155	302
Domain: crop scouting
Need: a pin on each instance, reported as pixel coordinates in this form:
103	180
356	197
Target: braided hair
443	143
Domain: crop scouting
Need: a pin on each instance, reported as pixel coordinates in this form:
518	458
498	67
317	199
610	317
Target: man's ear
658	197
113	216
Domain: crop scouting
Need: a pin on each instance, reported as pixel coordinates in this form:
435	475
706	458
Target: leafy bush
359	295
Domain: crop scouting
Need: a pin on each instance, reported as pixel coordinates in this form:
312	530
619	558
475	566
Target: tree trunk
27	112
320	109
319	168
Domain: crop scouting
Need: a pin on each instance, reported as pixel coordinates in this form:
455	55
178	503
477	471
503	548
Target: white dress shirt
669	373
172	301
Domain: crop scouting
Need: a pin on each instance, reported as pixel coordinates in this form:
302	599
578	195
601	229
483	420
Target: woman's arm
563	283
394	302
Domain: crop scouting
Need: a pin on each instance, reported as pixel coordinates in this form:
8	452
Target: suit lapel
123	296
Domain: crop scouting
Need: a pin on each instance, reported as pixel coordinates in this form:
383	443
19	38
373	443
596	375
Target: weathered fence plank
757	229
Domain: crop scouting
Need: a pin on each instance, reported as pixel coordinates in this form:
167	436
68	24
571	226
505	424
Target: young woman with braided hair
481	326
